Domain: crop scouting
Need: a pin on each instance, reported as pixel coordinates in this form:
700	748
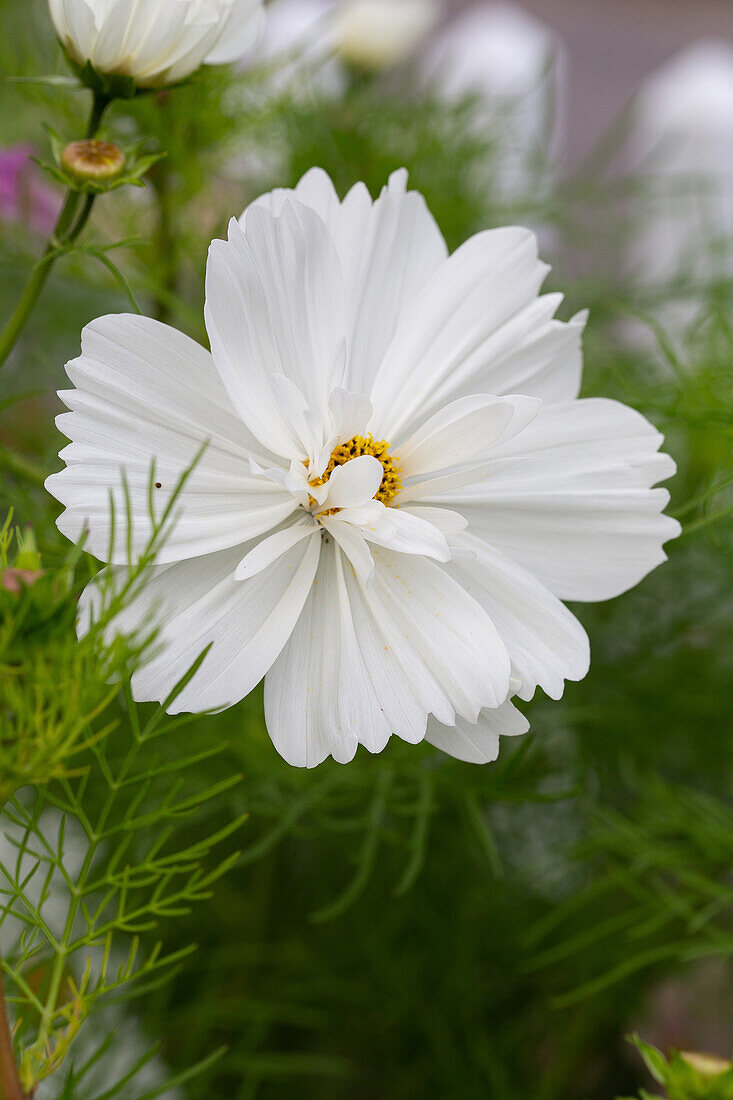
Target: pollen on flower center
367	445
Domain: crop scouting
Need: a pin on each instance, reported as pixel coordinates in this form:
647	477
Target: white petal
388	251
456	434
397	255
447	521
464	442
354	545
145	393
239	33
546	643
198	603
319	696
350	414
479	743
275	305
445	628
404	532
479	303
270	549
354	483
570	499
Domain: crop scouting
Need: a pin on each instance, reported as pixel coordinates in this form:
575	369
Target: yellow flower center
366	445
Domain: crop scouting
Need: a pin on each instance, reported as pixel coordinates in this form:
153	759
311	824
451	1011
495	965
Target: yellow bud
93	161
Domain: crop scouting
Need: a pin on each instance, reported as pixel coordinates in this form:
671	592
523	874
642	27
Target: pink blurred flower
15	580
24	198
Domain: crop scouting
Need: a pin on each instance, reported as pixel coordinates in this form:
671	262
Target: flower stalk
70	224
10	1086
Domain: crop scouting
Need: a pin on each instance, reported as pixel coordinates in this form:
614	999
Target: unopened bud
27	558
707	1065
93	161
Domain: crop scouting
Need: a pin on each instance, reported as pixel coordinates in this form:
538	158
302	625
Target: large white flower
156	42
399	488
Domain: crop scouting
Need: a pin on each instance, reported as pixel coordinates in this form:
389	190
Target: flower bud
707	1065
378	34
27	557
93	161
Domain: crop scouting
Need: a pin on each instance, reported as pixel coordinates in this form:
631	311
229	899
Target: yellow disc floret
366	445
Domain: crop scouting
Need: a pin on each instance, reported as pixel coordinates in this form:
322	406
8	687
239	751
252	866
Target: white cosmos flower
683	139
515	67
400	485
378	34
157	42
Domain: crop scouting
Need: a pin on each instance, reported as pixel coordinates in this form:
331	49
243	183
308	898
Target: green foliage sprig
686	1076
96	804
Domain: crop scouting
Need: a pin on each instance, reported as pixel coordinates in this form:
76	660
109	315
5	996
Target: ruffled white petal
319	697
387	249
350	414
239	33
145	394
446	630
197	603
446	520
275	306
399	530
546	643
463	431
351	541
570	499
367	662
478	743
274	546
455	447
479	309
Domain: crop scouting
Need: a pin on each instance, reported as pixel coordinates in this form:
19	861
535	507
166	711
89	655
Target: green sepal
106	85
137	165
111	86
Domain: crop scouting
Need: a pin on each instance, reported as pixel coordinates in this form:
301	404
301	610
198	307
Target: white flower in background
316	41
156	42
514	64
683	143
379	34
299	38
400	484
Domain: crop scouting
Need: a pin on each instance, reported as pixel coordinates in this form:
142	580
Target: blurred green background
410	926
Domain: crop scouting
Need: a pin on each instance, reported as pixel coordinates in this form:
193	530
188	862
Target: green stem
65	232
10	1086
100	103
165	240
